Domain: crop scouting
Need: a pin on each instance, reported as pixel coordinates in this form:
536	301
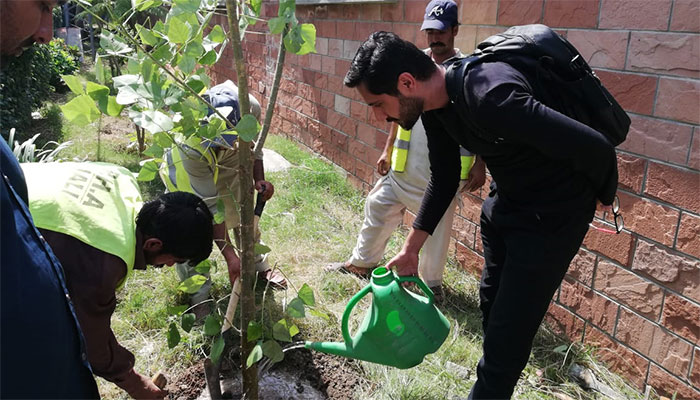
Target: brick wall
637	293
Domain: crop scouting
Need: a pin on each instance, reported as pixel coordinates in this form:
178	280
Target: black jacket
539	159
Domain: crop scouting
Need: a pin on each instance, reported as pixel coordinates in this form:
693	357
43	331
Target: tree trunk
247	245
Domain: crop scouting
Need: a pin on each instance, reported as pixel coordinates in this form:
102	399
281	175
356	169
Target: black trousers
526	257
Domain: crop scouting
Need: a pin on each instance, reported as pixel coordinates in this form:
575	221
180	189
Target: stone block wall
635	295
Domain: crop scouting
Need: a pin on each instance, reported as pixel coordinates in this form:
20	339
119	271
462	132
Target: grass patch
313	219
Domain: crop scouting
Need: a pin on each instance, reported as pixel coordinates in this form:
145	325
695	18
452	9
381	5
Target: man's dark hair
182	222
382	58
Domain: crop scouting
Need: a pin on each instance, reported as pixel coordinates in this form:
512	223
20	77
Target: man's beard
410	109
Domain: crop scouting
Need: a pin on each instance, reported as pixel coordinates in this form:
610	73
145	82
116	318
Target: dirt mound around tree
302	374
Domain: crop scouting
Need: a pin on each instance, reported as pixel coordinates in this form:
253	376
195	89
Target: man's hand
406	263
477	176
141	387
266	188
407	259
384	163
234	267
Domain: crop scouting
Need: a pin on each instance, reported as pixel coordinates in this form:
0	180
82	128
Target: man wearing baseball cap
405	170
441	27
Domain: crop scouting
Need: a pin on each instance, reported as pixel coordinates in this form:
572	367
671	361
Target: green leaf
154	151
261	249
292	40
194	48
216	349
97	91
319	314
187	64
217	34
295	309
173	335
272	350
287	8
81	110
187	321
74	84
248	128
143	5
208	58
195	83
255	331
126	80
256	5
561	349
308	35
176	310
113	108
148	171
100	73
162	139
307	295
186	6
178	31
276	25
203	267
147	36
192	284
151	120
147	68
164	53
280	331
220	215
212	326
255	355
301	39
113	44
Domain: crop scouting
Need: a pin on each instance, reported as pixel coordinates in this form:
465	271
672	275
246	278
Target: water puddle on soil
275	385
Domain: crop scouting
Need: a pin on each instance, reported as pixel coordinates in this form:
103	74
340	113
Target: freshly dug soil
335	377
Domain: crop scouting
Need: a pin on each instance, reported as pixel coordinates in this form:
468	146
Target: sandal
274	278
348	269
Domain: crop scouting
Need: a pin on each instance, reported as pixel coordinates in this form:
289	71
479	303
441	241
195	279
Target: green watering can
400	328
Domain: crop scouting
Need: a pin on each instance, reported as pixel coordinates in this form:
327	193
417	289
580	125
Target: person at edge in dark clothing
42	350
548	172
92	216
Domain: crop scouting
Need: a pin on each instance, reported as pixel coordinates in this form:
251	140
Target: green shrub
27	81
24	85
65	61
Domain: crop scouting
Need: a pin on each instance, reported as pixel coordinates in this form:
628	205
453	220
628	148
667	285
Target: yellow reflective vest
399	154
94	202
173	173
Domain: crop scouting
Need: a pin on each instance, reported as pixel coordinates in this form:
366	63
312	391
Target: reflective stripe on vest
467	161
399	154
173	173
96	203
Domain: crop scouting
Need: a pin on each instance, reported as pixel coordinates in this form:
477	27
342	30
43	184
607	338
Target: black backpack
564	81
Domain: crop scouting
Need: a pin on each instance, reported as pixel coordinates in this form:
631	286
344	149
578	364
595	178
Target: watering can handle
348	310
418	281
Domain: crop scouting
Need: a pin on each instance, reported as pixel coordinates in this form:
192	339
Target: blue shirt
43	349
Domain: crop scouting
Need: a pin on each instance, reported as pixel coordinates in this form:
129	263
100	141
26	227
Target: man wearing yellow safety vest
91	215
405	168
209	169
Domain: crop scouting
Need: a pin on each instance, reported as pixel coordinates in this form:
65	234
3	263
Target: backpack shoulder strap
454	77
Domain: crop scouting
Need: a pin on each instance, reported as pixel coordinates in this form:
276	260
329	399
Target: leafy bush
27	81
65	61
24	85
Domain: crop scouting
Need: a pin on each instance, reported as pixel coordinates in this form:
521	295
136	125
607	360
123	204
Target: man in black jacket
548	171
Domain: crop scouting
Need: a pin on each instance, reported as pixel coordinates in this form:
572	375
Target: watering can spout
335	348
